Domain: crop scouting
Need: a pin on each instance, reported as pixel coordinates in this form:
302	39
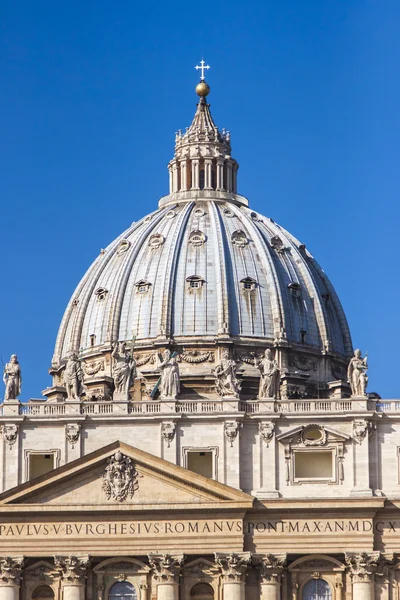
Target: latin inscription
194	528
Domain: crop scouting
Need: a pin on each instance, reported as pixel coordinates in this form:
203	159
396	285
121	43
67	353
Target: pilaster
361	428
233	569
10	577
271	567
362	568
11	449
73	570
166	570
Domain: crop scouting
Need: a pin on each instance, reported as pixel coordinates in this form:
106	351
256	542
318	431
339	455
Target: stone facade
208	434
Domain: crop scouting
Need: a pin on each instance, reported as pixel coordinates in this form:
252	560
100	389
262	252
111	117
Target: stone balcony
38	409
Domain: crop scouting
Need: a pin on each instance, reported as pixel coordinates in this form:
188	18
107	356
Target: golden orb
202	89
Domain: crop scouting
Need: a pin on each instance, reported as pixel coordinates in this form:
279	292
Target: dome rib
223	316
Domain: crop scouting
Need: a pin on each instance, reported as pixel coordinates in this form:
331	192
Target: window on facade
40	464
202	591
201	463
43	592
122	590
313	465
317	589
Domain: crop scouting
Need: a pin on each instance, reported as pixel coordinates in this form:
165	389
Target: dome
205	272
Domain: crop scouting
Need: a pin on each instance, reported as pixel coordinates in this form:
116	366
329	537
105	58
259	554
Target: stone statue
270	375
357	374
170	380
123	369
226	382
73	377
12	378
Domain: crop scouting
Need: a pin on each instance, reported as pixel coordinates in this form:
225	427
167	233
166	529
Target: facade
208	434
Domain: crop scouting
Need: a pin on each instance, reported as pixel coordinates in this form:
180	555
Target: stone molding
10	570
165	567
72	569
233	566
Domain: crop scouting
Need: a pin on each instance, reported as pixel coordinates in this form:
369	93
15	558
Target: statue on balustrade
123	368
170	378
270	375
12	378
357	374
73	377
226	381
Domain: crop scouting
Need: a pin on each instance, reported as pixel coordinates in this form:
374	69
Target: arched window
122	590
317	589
43	592
202	591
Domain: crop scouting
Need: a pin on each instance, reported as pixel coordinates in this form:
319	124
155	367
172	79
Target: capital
72	568
166	568
270	566
10	570
363	566
233	566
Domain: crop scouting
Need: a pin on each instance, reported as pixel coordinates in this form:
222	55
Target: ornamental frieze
120	478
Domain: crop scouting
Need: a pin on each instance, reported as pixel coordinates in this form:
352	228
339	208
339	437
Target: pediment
296	435
120	476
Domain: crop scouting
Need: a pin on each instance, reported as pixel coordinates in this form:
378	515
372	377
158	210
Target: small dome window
249	284
156	240
228	212
239	238
195	282
197	238
199	212
254	216
148	218
101	293
276	243
123	247
170	214
142	286
295	289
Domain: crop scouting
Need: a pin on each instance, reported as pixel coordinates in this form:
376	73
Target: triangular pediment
120	476
296	434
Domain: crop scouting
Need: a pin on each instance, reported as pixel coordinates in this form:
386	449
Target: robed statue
270	375
12	378
357	374
73	377
123	368
226	382
170	379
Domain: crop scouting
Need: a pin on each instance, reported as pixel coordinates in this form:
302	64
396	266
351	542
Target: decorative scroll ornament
72	431
267	431
313	435
168	432
360	429
231	429
10	570
120	478
144	359
363	566
10	434
233	566
302	363
93	367
72	569
271	566
166	568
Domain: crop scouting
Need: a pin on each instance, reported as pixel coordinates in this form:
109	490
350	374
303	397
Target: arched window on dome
43	592
202	591
317	589
122	590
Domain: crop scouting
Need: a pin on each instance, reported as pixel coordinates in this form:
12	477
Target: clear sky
92	93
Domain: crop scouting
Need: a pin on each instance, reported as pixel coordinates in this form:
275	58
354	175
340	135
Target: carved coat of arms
120	478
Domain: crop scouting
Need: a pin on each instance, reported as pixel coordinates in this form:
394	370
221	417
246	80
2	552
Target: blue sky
93	92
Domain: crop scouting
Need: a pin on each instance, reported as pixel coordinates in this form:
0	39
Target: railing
36	408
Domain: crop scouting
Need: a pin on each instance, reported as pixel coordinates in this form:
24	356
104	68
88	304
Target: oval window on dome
170	214
239	238
148	218
101	293
197	238
156	240
199	212
123	247
254	216
228	212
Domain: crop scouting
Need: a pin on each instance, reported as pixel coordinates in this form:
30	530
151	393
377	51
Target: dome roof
210	269
205	270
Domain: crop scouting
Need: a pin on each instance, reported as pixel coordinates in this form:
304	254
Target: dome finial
202	88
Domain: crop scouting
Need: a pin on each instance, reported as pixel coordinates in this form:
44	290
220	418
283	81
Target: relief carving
168	432
195	357
120	478
302	363
231	429
72	432
93	367
233	566
144	359
363	566
360	429
10	434
270	566
267	431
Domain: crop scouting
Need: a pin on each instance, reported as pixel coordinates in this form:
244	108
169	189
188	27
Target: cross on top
202	66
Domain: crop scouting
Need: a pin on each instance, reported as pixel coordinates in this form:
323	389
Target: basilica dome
205	272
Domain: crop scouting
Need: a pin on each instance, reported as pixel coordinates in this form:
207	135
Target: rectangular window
40	464
201	463
313	465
